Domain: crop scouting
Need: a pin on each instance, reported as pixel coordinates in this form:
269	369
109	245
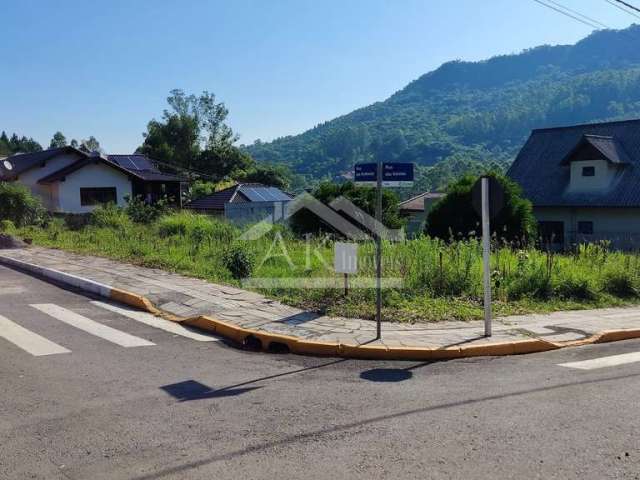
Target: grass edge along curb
275	342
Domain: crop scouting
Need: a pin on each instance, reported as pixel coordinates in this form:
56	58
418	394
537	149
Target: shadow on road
290	439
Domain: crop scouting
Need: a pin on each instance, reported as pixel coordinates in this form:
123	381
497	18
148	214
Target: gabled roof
416	204
606	146
245	192
22	162
539	170
136	165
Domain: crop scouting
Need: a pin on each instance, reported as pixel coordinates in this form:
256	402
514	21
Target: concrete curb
275	342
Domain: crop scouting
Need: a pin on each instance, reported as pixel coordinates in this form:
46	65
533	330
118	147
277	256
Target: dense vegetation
453	218
440	280
465	114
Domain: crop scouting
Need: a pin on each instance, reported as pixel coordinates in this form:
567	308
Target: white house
68	180
584	182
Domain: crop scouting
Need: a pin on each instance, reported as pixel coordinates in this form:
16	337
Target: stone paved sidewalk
185	297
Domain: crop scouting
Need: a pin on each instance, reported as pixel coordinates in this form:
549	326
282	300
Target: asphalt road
175	407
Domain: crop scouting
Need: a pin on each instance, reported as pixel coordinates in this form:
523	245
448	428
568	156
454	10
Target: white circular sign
7	165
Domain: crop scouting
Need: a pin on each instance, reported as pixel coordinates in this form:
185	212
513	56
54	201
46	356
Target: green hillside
466	114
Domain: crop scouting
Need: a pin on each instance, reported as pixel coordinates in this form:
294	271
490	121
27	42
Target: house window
588	171
97	196
585	228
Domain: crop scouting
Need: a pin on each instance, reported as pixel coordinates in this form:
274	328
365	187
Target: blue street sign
393	174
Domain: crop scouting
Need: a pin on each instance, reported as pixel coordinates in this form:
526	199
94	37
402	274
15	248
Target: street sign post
345	261
393	174
488	200
382	175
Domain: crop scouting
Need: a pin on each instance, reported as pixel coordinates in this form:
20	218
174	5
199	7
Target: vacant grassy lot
440	281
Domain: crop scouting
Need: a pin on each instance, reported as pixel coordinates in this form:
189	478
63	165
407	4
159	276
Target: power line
578	13
626	4
620	7
567	14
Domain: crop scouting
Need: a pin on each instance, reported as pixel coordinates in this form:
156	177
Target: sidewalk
241	313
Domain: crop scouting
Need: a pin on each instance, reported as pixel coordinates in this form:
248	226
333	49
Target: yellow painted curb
370	352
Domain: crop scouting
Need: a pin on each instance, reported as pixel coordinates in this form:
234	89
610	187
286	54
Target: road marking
602	362
153	321
27	340
94	328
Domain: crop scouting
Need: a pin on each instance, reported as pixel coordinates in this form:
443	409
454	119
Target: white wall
92	175
620	225
48	193
604	173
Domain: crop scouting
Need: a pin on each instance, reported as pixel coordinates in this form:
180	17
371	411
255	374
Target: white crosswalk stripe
27	340
603	362
156	322
94	328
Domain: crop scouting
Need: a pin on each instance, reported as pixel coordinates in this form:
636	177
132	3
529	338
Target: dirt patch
7	241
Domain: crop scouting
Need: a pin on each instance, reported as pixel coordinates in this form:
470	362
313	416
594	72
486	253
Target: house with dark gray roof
244	203
584	182
69	180
416	209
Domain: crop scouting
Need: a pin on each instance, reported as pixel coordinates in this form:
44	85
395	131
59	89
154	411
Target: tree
193	135
74	143
273	175
58	140
454	217
303	222
90	145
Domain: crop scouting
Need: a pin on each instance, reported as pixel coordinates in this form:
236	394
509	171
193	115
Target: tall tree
58	140
193	135
90	145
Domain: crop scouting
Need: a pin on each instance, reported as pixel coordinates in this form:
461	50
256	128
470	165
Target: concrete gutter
274	342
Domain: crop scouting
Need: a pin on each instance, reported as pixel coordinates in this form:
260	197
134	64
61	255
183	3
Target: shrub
76	221
454	215
239	261
570	286
620	283
110	216
19	205
6	226
140	211
198	227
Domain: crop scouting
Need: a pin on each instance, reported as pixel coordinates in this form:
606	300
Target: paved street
95	390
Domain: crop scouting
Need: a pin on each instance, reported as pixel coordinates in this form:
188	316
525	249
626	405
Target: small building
416	210
584	183
244	203
68	180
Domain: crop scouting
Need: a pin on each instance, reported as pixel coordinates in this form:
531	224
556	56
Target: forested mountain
465	114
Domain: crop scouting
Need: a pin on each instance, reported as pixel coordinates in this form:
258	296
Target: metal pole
486	256
378	251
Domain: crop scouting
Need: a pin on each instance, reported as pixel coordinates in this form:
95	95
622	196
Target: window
96	196
585	228
588	171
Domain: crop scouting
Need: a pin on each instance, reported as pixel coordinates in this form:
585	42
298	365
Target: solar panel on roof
263	194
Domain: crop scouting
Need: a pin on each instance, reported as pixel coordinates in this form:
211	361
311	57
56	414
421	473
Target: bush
239	261
571	287
110	216
454	215
140	211
199	228
620	283
20	206
76	221
7	226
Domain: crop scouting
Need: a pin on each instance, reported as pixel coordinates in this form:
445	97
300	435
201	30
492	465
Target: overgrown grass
439	281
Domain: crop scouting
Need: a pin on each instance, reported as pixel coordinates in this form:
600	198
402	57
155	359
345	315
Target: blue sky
281	66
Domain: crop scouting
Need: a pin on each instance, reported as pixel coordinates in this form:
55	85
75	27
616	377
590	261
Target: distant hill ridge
476	111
